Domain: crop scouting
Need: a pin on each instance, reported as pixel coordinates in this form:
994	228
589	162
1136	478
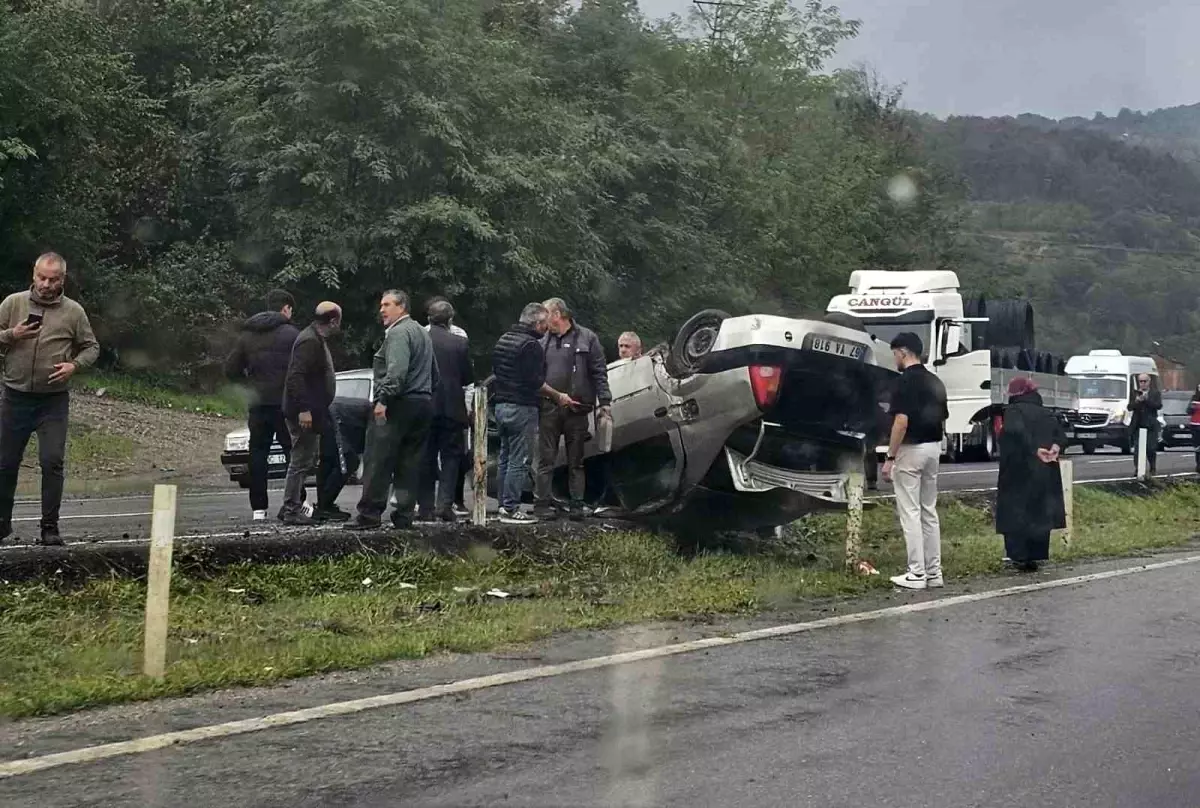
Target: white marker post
1067	469
1142	470
854	508
479	436
158	584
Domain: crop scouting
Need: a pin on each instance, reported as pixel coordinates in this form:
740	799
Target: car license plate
276	460
837	347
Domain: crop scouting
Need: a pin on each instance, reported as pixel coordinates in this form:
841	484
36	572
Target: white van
1106	381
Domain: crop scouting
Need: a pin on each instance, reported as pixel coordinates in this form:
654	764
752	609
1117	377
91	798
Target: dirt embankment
119	446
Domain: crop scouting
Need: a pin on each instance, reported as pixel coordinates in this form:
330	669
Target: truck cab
1106	379
929	304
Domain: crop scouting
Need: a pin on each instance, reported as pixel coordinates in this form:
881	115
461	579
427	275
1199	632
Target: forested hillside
1100	233
187	156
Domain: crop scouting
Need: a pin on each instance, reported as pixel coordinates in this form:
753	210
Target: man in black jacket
447	433
575	365
308	391
261	358
1145	404
519	367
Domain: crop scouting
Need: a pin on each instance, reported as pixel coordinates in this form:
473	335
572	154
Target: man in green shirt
46	338
405	378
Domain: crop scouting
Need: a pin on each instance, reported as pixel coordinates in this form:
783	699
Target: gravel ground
181	447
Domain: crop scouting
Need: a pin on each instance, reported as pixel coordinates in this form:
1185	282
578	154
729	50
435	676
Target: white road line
83	516
14	768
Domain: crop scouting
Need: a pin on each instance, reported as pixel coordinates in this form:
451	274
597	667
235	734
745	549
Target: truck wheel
1126	448
243	483
1090	447
693	342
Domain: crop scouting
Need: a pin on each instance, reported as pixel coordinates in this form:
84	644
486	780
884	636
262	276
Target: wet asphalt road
228	512
1081	696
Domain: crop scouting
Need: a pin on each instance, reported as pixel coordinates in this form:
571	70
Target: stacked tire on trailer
1008	335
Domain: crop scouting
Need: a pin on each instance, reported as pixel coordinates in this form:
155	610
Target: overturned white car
741	423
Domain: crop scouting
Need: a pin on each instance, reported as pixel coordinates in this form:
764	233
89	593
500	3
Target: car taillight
764	381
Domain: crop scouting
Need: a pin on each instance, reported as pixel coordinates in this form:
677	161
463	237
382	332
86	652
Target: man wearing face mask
46	337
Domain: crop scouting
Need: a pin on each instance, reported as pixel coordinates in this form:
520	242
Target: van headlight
237	443
1119	417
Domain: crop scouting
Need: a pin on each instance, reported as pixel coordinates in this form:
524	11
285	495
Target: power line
715	16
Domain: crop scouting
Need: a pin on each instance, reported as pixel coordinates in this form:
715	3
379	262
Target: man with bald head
46	337
308	392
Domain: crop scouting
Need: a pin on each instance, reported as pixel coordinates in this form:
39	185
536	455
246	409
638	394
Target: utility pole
717	15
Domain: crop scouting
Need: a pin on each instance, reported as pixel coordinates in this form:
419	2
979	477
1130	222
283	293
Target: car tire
1090	447
693	342
243	483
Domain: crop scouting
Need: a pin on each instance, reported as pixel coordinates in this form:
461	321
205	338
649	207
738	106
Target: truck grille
1091	419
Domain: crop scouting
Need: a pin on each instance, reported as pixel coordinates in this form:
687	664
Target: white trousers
914	478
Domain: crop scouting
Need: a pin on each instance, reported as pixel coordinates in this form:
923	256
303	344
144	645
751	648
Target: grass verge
159	393
63	649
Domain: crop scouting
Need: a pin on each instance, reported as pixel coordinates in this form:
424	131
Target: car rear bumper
752	477
237	464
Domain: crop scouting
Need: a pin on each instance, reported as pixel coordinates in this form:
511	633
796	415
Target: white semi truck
974	354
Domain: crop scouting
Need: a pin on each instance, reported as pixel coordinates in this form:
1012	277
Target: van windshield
1103	388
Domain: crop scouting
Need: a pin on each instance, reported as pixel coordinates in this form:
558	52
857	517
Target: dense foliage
187	154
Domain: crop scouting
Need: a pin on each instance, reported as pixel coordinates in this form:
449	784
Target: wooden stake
158	585
1067	468
479	436
854	505
1142	469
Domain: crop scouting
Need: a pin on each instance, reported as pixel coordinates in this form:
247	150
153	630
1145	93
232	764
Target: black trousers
558	423
394	455
267	424
333	468
443	458
21	415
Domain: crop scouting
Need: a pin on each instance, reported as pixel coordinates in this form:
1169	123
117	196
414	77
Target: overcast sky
1005	57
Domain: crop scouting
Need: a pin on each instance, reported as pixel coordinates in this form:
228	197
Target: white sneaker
909	581
307	508
260	516
516	517
934	581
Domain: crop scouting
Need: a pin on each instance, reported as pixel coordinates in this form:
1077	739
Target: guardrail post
1067	469
158	584
854	512
479	438
1142	469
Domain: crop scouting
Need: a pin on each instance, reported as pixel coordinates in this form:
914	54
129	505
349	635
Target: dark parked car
1178	429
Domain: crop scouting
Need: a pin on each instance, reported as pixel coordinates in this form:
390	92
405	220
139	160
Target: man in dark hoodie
308	392
260	359
576	366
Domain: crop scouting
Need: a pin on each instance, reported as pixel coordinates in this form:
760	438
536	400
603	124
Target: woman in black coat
1029	503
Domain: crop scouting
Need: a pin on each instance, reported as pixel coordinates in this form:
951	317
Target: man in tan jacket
46	338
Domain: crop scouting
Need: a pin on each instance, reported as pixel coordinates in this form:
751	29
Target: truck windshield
886	332
1103	388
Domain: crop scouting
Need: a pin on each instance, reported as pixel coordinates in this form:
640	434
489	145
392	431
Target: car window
1175	406
354	388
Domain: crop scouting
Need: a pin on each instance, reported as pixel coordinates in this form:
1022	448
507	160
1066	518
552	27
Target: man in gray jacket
576	367
405	378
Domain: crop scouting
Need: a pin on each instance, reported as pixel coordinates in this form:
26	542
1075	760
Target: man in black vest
448	430
519	365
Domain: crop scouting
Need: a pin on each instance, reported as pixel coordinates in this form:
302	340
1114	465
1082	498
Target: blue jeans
517	425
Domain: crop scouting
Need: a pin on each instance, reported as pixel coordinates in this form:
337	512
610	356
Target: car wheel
243	483
694	341
1089	448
